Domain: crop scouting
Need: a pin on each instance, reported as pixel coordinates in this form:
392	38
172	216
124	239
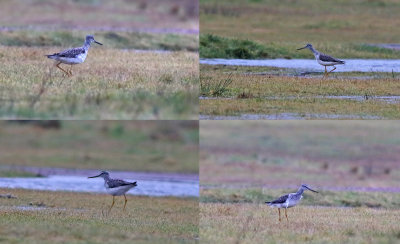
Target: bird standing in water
323	59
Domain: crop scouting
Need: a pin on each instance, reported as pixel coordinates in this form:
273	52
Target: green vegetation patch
215	46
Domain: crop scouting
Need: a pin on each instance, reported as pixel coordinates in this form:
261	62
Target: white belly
77	60
119	191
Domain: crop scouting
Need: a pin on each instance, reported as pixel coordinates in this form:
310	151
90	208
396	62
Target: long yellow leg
286	215
326	73
125	201
57	65
332	69
70	70
111	205
279	210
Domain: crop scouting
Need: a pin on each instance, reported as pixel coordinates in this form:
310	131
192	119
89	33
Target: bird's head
305	187
90	39
103	174
309	46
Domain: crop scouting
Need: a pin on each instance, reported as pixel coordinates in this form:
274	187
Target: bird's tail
134	183
267	202
342	62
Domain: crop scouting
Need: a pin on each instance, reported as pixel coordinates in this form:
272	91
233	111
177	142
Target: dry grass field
253	223
111	84
119	80
352	164
65	217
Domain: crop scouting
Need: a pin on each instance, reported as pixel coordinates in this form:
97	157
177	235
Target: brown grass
251	223
111	84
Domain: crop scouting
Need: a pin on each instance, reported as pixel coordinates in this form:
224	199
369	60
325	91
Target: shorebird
289	200
323	59
115	187
73	55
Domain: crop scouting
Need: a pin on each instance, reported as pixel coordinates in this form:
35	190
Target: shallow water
182	188
359	65
286	116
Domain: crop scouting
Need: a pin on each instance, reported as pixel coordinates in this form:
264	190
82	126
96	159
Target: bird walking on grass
115	187
289	200
323	59
73	55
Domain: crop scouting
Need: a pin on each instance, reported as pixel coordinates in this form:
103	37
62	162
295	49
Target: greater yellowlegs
115	187
289	200
323	59
73	55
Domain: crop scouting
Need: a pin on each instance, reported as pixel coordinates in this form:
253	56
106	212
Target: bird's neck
314	51
86	45
300	191
106	178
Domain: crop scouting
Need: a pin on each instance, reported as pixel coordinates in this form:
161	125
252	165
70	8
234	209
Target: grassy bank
111	84
251	223
273	28
214	46
127	145
59	217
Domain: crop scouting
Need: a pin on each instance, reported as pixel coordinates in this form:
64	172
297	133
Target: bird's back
70	56
326	58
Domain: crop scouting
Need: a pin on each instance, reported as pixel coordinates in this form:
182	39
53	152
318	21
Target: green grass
253	223
214	46
65	217
274	28
167	146
111	84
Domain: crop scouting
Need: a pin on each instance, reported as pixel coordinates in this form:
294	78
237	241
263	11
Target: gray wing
117	183
71	52
327	58
282	199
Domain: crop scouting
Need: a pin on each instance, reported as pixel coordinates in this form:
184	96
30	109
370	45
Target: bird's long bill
98	42
301	48
94	176
311	189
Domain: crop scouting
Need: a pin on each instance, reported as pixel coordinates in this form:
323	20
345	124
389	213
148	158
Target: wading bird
323	59
115	187
289	200
73	55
